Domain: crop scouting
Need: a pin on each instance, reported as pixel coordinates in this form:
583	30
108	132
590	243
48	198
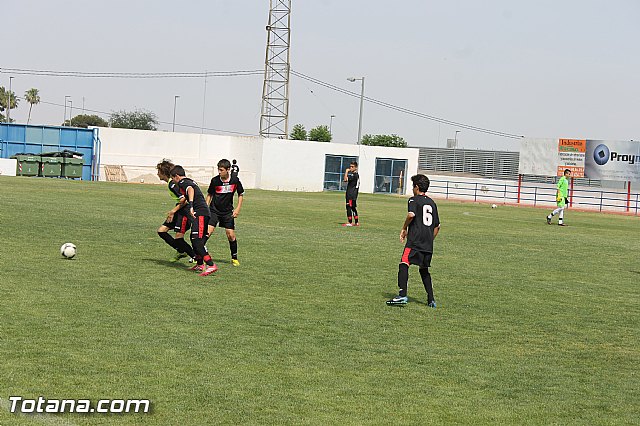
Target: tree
84	120
139	119
4	96
298	133
384	140
33	97
320	134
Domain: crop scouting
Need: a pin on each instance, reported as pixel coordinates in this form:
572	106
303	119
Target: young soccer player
177	218
220	202
352	178
235	169
562	200
420	227
199	215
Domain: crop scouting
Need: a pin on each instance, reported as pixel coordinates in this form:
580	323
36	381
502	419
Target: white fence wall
8	166
274	164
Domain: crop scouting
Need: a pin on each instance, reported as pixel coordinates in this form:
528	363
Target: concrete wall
274	164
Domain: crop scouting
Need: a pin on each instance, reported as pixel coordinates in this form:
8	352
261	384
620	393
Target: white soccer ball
494	206
68	250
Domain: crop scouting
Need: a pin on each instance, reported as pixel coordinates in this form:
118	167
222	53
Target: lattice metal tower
274	118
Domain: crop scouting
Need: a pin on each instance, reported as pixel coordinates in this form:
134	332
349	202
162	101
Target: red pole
519	186
571	194
628	195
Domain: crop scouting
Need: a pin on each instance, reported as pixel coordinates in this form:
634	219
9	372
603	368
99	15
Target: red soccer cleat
209	270
197	268
347	224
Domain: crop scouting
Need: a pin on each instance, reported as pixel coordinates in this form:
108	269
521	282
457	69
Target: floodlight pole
9	102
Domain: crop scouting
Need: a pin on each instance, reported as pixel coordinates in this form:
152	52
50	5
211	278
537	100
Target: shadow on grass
168	263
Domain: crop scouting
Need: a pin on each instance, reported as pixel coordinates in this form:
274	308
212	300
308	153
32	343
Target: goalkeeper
562	195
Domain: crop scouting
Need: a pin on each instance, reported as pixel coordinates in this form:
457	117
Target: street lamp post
70	110
330	123
64	119
175	101
9	102
352	79
456	138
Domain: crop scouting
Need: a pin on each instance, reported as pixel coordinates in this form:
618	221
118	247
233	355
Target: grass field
535	324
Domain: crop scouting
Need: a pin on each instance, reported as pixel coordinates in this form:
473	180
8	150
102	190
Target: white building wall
274	164
8	166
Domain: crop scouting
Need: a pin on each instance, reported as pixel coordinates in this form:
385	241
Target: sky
543	69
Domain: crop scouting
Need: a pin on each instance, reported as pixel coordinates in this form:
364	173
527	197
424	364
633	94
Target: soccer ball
68	250
494	206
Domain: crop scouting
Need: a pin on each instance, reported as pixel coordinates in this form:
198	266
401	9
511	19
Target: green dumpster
27	165
50	166
72	167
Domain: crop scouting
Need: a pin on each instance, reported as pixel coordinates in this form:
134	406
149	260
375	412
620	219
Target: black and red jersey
222	193
422	227
199	204
353	185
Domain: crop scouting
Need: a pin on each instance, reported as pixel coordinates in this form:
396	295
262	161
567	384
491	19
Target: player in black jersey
199	216
220	202
352	178
235	169
177	218
423	226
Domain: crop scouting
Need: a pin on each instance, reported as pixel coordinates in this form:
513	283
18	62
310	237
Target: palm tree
33	98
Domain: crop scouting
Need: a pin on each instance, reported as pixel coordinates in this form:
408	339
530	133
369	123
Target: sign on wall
613	160
593	159
571	155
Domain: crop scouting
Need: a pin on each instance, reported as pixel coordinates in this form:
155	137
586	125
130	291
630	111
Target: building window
390	176
334	168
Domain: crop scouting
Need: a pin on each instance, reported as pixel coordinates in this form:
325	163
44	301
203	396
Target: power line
242	73
129	75
103	113
406	110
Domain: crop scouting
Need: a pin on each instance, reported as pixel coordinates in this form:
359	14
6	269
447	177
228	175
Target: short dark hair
567	170
164	167
234	161
224	163
177	171
355	163
421	181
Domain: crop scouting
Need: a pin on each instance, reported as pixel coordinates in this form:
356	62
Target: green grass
535	324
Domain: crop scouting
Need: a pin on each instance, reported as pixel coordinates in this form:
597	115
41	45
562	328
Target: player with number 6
420	228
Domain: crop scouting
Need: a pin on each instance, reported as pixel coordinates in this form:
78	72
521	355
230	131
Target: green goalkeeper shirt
563	186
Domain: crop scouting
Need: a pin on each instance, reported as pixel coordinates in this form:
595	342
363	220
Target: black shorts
180	223
199	226
351	202
414	257
223	220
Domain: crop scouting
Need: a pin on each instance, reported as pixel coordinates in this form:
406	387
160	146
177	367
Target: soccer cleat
179	256
398	300
347	224
209	270
197	268
548	220
235	262
561	224
432	304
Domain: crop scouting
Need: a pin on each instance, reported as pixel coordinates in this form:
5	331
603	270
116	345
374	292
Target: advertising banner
571	155
613	160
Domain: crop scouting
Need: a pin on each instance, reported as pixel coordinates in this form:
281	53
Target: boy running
352	178
199	215
177	217
423	226
220	202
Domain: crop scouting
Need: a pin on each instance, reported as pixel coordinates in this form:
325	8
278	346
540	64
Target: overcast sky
545	68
